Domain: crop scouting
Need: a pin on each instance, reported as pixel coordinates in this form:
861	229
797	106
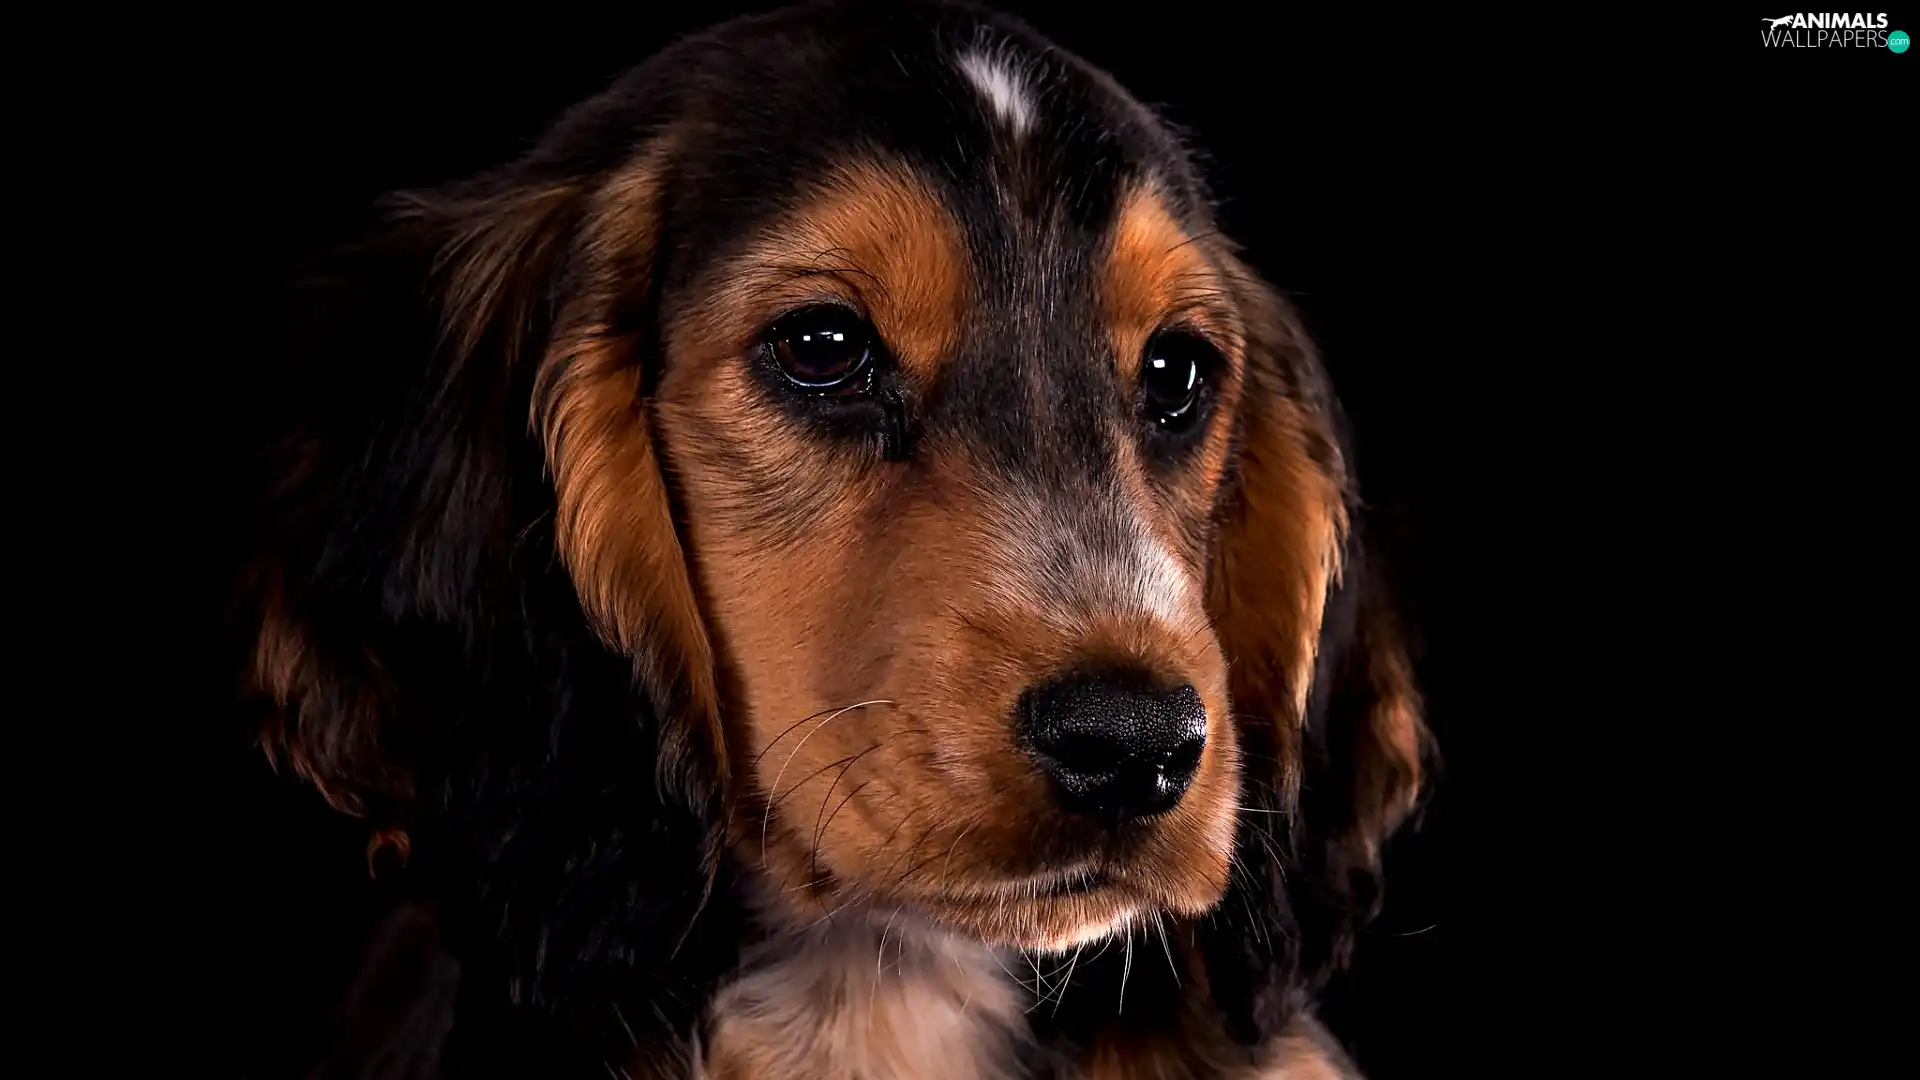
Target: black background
1491	227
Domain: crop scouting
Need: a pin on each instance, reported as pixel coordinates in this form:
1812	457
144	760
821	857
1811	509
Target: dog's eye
1172	375
822	348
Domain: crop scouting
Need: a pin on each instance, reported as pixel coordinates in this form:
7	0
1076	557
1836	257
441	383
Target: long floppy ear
614	514
387	489
475	620
1321	687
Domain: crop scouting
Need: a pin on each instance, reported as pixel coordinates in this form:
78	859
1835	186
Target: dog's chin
1053	914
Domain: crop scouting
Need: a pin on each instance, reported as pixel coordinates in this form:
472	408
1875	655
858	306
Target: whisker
880	961
1017	980
767	817
820	822
916	867
1069	979
915	846
1197	631
1194	240
844	904
822	831
1160	924
802	782
789	730
946	871
1254	920
1105	944
625	1026
1279	864
879	964
901	824
820	828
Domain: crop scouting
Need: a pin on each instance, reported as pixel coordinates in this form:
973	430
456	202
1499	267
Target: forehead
1023	144
1015	227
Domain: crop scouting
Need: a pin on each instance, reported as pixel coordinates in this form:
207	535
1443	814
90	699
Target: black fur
411	529
562	825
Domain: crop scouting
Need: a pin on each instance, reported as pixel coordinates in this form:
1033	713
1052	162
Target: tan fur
859	998
1393	744
881	619
337	751
279	656
1282	535
483	265
1157	275
875	236
281	666
614	520
381	839
1305	1051
1280	549
1390	778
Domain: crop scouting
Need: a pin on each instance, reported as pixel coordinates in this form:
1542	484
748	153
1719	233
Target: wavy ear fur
475	624
1321	683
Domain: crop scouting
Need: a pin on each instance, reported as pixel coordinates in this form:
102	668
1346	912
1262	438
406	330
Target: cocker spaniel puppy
831	566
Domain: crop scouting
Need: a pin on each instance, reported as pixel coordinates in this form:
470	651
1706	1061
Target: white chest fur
856	997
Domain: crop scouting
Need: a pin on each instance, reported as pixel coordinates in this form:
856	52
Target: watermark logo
1831	29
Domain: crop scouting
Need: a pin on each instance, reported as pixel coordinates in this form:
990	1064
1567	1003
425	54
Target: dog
831	565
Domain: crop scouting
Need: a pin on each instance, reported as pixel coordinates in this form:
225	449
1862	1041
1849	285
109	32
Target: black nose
1115	751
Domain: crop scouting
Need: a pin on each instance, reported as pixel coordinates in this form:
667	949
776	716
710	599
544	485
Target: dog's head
973	523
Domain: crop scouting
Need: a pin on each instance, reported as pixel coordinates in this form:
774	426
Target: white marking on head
1002	84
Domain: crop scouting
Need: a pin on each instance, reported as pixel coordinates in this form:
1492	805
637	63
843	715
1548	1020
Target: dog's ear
473	608
1332	739
387	480
526	332
1368	758
614	520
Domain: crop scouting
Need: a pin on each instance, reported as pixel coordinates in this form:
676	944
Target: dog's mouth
1002	864
1055	911
1053	884
1076	885
1072	883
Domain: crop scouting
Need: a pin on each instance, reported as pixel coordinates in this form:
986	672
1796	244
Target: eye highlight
1173	378
824	349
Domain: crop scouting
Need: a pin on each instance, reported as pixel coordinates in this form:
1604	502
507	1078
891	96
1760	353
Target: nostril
1087	753
1185	759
